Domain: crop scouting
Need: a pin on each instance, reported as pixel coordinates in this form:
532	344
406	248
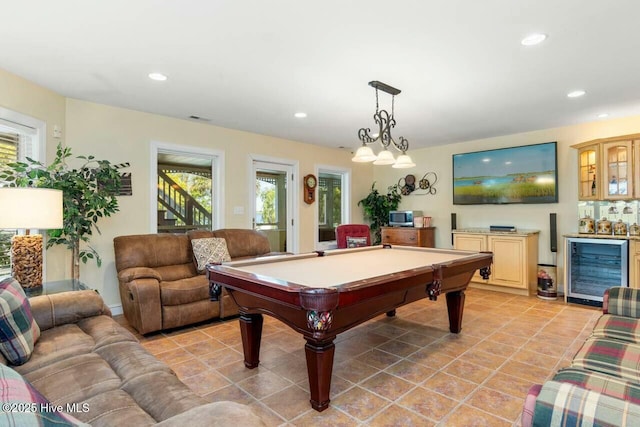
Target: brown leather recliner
160	287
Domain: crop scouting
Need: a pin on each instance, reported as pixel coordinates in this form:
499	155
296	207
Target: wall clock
310	184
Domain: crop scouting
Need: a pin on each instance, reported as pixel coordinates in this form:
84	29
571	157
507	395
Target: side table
56	287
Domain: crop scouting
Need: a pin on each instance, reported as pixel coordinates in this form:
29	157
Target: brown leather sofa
160	287
84	357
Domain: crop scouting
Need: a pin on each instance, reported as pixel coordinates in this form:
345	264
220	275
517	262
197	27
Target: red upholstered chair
352	230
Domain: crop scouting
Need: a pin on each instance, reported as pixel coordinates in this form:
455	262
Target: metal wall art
407	184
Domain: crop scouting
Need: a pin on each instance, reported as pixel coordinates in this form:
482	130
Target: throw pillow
18	330
210	250
356	242
23	405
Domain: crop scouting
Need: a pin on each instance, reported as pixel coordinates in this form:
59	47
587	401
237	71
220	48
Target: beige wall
121	135
24	97
535	216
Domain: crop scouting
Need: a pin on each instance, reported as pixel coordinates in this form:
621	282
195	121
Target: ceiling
252	64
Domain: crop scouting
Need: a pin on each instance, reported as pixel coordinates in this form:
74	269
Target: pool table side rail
325	299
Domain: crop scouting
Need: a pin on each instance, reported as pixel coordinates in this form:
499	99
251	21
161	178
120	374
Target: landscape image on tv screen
525	174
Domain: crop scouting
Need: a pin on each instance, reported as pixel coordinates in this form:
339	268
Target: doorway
273	212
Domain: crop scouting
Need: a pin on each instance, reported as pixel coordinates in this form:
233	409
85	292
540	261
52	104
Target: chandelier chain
377	101
385	122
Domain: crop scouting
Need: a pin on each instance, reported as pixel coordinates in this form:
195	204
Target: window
332	204
187	188
267	198
185	192
9	142
329	203
18	139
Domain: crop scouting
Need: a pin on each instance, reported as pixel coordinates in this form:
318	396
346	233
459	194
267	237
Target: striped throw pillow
18	330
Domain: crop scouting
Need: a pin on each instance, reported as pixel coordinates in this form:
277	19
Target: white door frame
345	197
293	211
217	175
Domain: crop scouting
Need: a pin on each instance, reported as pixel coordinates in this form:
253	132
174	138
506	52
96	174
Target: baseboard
116	309
497	288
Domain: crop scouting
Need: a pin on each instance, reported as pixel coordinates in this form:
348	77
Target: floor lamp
29	208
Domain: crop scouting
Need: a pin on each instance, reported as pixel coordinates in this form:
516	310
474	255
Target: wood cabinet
609	168
515	259
409	236
472	242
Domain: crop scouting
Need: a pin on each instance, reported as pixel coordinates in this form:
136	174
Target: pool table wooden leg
251	331
455	306
319	368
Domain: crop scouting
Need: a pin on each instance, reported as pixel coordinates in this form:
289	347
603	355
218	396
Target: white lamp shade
364	154
385	158
403	162
30	208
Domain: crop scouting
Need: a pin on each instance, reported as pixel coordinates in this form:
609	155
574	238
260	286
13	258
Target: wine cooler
594	265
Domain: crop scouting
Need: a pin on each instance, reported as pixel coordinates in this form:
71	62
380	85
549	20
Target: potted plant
89	193
377	207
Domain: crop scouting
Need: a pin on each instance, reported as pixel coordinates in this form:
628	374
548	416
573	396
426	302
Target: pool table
322	294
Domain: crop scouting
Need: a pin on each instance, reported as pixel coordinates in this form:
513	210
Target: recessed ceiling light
603	115
300	115
576	94
157	76
533	39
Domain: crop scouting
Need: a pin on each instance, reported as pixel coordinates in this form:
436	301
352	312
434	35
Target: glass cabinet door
617	183
588	188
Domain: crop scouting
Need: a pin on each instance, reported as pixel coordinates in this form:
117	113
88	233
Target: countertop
601	236
518	232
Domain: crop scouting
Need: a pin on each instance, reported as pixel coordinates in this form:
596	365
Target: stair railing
176	200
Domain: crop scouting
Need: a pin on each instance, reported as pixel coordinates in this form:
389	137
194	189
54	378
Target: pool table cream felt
349	265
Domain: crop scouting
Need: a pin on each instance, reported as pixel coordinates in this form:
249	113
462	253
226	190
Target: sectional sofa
85	368
602	385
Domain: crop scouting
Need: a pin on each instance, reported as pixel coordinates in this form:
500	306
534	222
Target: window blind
9	145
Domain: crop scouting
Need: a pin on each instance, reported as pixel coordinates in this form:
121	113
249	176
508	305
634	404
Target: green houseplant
377	207
89	193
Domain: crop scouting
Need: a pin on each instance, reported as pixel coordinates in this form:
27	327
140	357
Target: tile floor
402	371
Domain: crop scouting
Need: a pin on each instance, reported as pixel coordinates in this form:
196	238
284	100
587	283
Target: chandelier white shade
403	162
364	155
385	157
385	122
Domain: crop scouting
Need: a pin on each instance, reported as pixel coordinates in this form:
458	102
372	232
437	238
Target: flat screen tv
525	174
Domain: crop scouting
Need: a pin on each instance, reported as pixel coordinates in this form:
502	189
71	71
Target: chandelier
385	122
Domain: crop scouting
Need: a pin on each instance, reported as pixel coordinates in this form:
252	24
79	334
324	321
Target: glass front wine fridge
594	265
